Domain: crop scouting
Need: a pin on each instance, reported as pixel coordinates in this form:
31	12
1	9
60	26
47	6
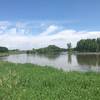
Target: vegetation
31	51
32	82
16	51
98	44
51	49
3	49
4	54
69	46
84	45
88	45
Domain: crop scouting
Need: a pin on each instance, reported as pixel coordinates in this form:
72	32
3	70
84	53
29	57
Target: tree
3	49
50	49
69	46
88	45
98	44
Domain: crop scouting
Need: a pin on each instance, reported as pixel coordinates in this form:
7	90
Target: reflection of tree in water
92	60
98	60
50	55
69	58
2	58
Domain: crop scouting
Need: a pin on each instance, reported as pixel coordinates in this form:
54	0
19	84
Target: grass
10	52
3	54
32	82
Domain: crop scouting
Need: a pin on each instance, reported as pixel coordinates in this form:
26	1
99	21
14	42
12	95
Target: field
32	82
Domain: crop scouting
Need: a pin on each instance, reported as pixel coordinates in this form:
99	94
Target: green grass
9	53
32	82
3	54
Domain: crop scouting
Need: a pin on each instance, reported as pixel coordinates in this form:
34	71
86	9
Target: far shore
74	52
4	54
9	53
87	53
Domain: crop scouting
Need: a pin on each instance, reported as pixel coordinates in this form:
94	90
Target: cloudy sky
27	24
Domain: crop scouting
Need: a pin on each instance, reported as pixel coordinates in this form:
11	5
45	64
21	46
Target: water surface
65	61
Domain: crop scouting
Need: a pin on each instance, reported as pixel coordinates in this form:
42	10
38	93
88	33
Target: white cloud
50	29
17	36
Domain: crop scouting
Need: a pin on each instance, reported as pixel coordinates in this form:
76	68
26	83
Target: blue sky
83	14
35	17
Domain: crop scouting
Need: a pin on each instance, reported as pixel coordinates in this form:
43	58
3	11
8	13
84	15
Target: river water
64	61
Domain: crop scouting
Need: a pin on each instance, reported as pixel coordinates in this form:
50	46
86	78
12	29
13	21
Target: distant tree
69	46
3	49
29	51
50	49
98	44
33	50
88	45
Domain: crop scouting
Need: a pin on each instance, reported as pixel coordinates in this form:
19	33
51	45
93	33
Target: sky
27	24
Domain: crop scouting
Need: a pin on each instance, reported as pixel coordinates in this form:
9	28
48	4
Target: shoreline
87	53
4	54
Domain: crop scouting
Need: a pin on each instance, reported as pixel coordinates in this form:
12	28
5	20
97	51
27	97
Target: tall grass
32	82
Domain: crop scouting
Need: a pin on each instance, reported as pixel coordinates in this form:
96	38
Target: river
64	61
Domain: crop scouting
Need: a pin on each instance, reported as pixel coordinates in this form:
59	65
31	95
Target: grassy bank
4	54
10	52
32	82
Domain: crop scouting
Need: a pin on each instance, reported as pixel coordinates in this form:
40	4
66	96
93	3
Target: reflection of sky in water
62	61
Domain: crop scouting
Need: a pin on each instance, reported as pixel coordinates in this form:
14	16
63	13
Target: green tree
3	49
87	45
69	46
98	44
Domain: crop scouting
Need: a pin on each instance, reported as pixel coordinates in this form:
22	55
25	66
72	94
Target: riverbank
4	54
28	82
86	53
10	53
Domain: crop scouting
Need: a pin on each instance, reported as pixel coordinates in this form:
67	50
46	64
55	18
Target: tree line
88	45
84	45
47	50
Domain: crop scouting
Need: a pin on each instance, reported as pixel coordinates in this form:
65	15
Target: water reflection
90	60
69	58
51	56
65	61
